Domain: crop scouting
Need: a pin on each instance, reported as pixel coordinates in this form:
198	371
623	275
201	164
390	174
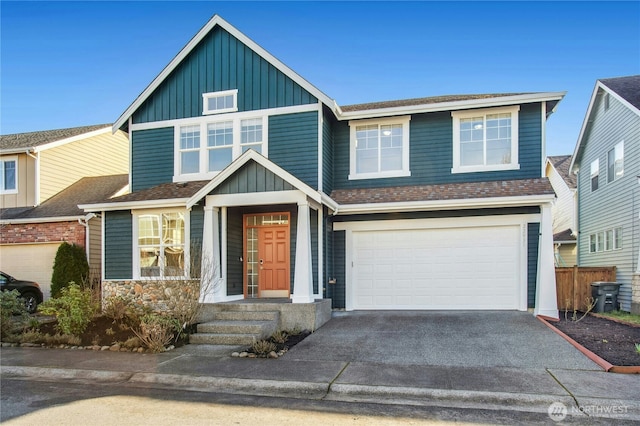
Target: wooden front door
267	254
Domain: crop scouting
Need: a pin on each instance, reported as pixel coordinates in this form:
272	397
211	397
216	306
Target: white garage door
32	262
455	268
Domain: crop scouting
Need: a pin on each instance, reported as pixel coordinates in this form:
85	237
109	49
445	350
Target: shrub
155	331
263	347
116	307
74	309
70	265
13	313
279	337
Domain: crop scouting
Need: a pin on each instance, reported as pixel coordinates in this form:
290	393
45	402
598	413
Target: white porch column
546	300
302	278
210	289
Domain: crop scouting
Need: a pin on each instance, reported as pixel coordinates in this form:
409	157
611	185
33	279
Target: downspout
37	176
85	222
329	281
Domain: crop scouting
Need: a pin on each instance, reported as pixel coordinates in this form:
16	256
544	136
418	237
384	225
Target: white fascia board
217	20
256	198
71	139
583	129
264	162
454	105
135	205
329	202
41	220
473	203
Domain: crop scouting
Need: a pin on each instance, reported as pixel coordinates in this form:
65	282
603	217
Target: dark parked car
29	290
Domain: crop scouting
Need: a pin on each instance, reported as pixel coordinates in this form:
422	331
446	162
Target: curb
66	373
604	364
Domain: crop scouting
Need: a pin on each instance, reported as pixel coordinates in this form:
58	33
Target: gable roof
561	163
65	203
565	236
217	20
624	89
45	139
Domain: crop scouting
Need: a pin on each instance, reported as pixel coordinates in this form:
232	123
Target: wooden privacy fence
573	285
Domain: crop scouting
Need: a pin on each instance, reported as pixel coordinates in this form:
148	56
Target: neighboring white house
564	210
607	163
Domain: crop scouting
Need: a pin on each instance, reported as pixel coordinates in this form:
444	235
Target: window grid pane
8	176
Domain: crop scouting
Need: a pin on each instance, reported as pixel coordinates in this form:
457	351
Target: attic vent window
219	102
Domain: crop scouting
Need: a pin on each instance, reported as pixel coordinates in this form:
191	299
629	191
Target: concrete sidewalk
582	392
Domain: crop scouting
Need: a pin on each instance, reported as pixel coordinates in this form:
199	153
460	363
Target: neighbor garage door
33	262
453	268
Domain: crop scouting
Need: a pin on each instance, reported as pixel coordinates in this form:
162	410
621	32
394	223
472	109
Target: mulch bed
611	340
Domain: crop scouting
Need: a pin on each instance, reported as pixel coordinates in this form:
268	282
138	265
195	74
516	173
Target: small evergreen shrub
13	313
74	309
69	265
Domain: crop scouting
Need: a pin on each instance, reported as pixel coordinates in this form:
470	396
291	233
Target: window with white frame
160	244
485	140
379	148
9	175
219	102
595	174
615	162
610	239
226	140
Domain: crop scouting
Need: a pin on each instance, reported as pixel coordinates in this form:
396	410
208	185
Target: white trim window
219	102
615	162
379	148
159	244
595	174
610	239
206	147
485	140
9	175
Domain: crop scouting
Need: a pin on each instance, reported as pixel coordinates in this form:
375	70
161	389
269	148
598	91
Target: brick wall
71	232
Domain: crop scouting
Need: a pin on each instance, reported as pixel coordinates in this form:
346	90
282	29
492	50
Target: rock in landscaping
235	354
115	348
273	354
244	354
104	348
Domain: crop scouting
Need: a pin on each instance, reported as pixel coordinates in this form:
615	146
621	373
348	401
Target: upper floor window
9	175
485	140
595	174
160	244
208	147
379	148
219	102
608	240
615	162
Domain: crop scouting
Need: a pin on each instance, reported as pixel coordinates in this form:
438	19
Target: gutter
41	220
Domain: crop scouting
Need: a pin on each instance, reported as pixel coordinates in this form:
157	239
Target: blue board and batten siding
293	145
431	152
221	62
151	157
118	251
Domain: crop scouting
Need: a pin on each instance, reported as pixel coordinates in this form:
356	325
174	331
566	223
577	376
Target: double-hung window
379	148
189	149
615	162
160	244
9	175
595	174
219	145
251	134
485	140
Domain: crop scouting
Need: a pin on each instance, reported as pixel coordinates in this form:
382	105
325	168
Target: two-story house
564	209
606	161
429	203
43	177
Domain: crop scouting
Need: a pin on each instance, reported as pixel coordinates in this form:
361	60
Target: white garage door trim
519	221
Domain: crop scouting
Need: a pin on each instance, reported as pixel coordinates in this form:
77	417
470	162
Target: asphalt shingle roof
561	164
65	203
564	236
166	191
34	139
451	191
627	87
422	101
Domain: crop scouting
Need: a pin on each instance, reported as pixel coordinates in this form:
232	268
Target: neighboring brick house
45	175
564	209
427	203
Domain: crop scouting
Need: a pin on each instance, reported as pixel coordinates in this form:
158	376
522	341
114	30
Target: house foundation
635	294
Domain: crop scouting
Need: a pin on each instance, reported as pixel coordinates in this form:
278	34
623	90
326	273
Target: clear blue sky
67	64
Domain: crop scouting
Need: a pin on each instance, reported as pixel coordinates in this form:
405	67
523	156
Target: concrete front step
261	328
222	339
246	315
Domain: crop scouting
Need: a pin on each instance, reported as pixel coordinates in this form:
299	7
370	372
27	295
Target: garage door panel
457	268
32	262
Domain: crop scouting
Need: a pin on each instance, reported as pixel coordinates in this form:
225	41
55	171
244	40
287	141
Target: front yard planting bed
610	339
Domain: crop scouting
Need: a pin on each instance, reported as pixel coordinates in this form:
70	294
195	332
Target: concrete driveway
441	338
